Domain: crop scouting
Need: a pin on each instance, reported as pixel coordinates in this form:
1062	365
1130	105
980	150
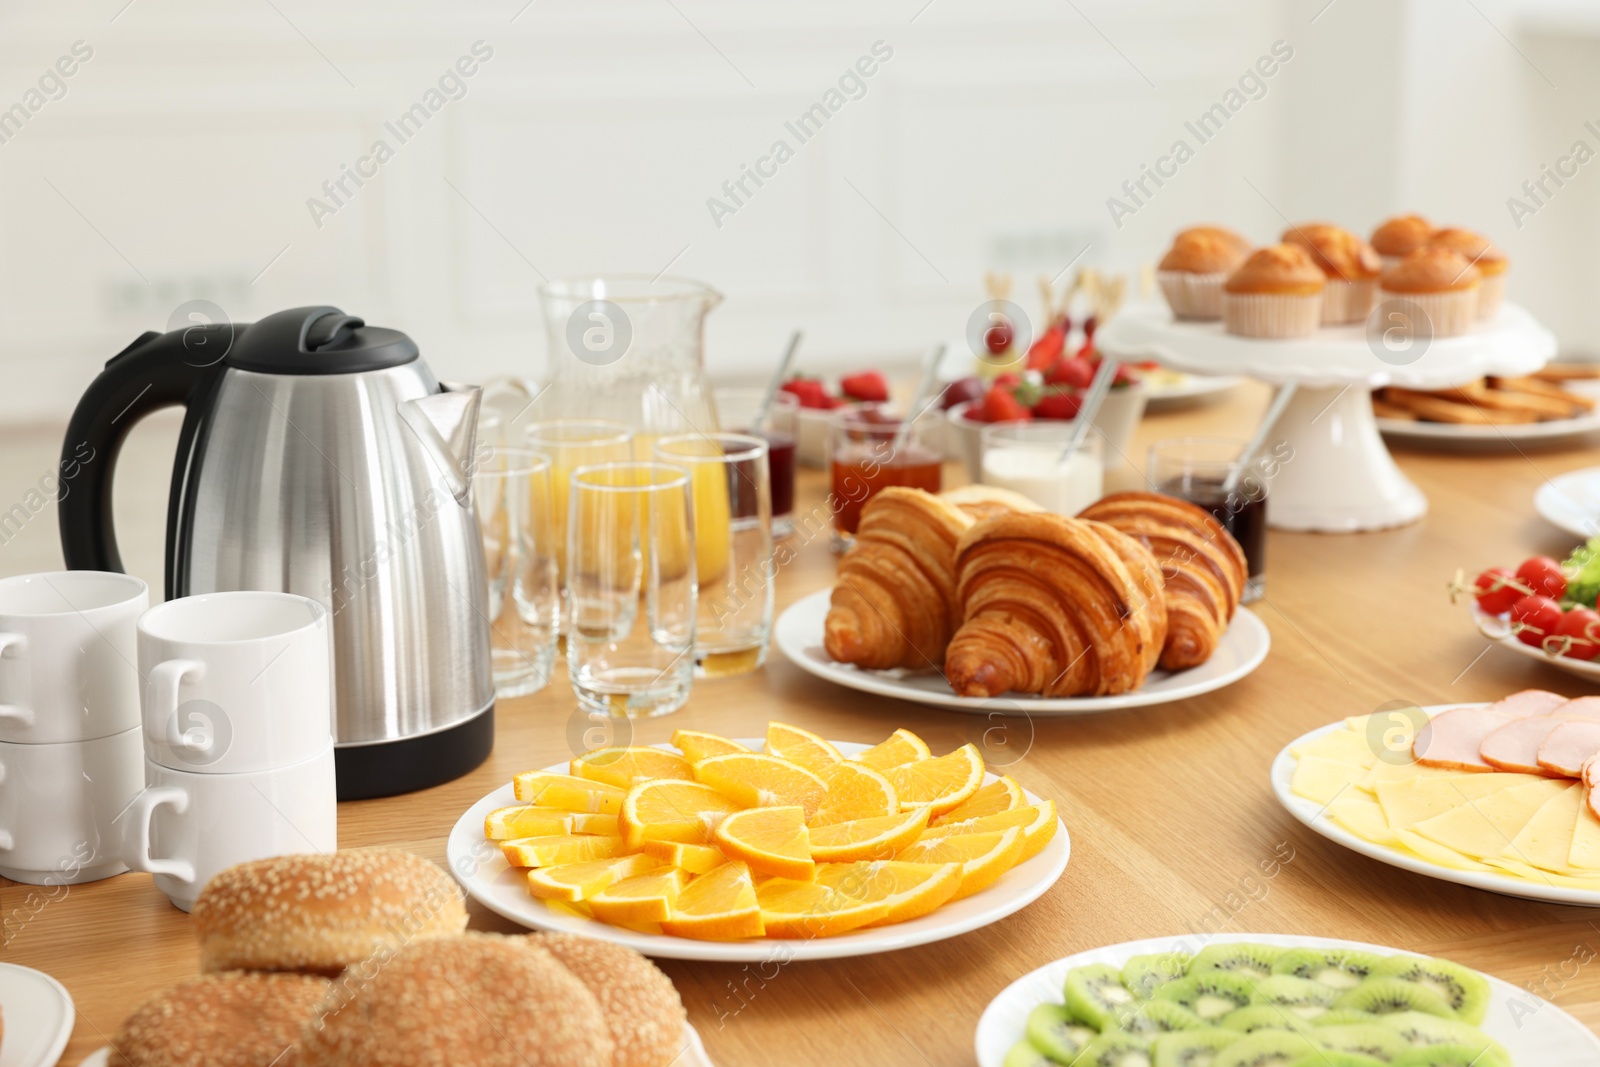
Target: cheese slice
1406	803
1546	841
1340	746
1585	853
1363	816
1484	826
1533	874
1322	780
1434	852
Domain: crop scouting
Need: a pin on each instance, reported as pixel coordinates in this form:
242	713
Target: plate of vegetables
1544	608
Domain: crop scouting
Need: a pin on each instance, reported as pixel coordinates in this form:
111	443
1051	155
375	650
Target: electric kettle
318	456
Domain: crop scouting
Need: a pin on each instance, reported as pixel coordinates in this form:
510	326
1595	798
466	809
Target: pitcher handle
161	712
512	385
12	646
142	811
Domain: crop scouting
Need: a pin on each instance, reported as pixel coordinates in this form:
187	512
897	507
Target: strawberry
1000	406
869	386
810	392
1125	375
1058	405
1044	352
1007	381
1076	372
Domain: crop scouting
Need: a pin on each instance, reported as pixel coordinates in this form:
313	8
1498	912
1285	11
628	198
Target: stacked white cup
238	737
70	754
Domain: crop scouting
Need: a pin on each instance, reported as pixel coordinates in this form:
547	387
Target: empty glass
631	590
511	493
570	444
728	476
736	413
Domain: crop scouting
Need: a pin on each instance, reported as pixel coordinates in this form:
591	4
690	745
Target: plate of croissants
977	599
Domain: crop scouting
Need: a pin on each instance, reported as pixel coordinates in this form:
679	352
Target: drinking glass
511	492
1197	469
871	447
1026	457
631	590
780	428
733	547
570	444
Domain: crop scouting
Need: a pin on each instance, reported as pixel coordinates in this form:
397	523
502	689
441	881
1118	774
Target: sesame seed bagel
322	913
642	1009
479	999
232	1019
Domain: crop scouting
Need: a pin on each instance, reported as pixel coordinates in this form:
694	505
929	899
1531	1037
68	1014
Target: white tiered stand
1339	478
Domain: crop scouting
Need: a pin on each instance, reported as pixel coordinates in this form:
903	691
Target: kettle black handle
156	371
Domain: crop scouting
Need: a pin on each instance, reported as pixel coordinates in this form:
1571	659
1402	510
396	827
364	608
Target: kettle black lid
318	340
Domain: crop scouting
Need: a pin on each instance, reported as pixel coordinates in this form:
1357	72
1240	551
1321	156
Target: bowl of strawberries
818	402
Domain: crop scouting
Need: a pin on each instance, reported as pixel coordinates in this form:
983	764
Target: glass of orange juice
570	444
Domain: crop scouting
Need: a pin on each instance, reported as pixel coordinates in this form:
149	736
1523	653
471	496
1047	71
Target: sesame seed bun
1434	269
322	913
479	999
1277	269
1401	235
642	1009
232	1019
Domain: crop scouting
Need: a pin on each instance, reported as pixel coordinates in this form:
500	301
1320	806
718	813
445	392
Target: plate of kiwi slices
1269	1000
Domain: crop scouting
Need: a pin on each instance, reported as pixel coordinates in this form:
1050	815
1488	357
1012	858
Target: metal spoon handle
778	378
1268	421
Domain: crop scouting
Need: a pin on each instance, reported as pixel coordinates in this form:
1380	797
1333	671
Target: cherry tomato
1582	627
1534	618
1496	590
1543	575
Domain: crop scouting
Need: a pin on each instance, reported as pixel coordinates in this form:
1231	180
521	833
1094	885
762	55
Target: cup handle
161	713
142	813
12	646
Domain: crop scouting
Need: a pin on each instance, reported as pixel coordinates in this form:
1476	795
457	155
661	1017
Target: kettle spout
447	426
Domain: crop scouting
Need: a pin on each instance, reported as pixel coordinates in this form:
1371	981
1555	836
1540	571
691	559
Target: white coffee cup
236	681
67	655
186	826
59	805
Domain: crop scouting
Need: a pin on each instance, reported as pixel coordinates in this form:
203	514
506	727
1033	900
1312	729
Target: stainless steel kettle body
320	456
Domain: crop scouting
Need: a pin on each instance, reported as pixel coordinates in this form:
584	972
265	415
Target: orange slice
794	909
697	745
625	767
573	882
770	840
696	859
911	890
669	810
854	792
800	746
1003	794
718	906
644	898
942	784
1038	823
557	851
983	857
567	792
900	747
531	820
879	837
755	780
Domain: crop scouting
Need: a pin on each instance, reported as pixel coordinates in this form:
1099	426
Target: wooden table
1169	808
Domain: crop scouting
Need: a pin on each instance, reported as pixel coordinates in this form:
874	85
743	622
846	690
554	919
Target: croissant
1054	606
894	604
1203	566
986	501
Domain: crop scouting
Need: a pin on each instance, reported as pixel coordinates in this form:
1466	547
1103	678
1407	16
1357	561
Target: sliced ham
1531	702
1452	739
1580	707
1569	746
1591	772
1515	746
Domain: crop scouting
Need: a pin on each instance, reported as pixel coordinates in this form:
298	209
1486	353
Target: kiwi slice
1096	995
1156	1017
1426	1031
1448	1056
1386	996
1465	990
1115	1050
1144	974
1341	968
1056	1034
1252	961
1267	1048
1210	996
1301	996
1334	1058
1191	1048
1023	1054
1263	1017
1346	1017
1380	1042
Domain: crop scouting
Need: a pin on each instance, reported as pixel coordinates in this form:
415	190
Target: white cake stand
1336	474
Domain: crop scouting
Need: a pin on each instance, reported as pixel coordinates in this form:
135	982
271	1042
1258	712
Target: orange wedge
806	910
902	746
854	792
670	810
879	837
531	820
770	840
756	780
800	746
567	792
718	906
942	784
625	767
1038	823
697	745
557	851
644	898
983	857
911	890
573	882
1003	794
696	859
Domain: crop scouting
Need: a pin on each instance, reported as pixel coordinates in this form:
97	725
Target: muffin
1276	293
1193	270
1482	253
1349	265
1399	237
1440	281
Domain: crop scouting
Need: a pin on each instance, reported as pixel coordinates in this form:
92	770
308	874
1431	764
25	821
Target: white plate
799	634
1534	1031
478	865
1494	628
38	1017
1186	389
1571	501
1315	816
1479	438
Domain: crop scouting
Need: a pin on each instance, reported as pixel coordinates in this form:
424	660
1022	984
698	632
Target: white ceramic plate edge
22	1024
1508	435
1196	387
1589	669
1554	502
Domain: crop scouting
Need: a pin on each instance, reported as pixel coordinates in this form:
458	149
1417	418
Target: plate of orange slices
746	850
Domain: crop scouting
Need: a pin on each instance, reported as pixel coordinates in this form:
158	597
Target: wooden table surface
1169	808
